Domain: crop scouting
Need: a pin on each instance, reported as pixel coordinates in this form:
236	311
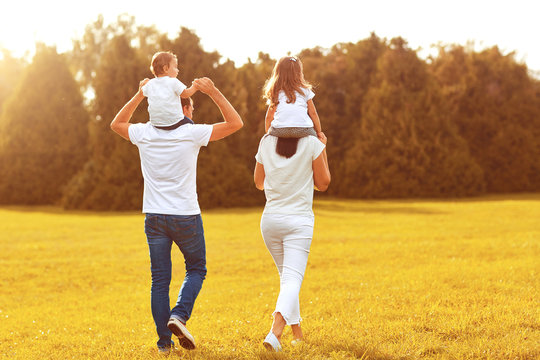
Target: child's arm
142	83
312	112
188	92
269	117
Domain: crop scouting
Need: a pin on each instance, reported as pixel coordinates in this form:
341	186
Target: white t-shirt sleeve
317	147
258	156
135	132
308	94
178	86
201	133
145	90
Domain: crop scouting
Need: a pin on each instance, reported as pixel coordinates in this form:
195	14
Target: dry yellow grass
385	280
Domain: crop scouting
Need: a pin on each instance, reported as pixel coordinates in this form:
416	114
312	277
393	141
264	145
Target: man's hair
286	146
186	102
160	60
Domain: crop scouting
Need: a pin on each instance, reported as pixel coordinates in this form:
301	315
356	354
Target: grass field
385	280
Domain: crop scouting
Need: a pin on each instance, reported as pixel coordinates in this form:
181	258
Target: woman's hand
322	137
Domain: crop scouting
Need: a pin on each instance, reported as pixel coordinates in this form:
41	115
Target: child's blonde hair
160	60
288	75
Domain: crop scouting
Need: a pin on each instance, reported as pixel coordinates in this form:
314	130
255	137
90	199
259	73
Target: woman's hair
288	75
286	146
160	60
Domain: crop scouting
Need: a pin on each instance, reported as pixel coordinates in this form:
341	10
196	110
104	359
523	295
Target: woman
288	169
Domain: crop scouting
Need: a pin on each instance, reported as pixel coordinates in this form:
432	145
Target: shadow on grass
412	205
525	196
60	211
361	207
46	209
405	206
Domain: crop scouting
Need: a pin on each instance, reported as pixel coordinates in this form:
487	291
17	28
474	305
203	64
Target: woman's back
288	183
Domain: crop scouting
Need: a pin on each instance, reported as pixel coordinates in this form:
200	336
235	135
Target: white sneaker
271	342
184	337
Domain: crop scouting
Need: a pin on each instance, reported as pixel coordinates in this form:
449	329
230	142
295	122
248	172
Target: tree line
461	123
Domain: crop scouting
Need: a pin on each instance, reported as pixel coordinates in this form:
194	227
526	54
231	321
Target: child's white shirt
164	105
293	114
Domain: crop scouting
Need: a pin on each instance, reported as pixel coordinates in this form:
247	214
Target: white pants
288	238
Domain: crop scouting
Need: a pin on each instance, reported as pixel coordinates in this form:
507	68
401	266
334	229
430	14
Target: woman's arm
321	170
312	112
269	117
258	176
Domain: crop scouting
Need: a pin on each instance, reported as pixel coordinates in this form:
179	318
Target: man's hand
120	123
205	85
194	85
232	121
142	83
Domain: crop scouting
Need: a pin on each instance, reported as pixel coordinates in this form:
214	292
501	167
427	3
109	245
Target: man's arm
120	123
233	122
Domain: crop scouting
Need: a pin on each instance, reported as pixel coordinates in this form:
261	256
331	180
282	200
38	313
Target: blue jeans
186	231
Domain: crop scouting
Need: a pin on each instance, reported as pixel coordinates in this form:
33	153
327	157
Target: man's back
169	166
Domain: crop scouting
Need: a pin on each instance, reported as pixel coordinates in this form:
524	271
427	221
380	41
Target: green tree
87	52
405	145
342	76
10	74
112	179
44	130
496	108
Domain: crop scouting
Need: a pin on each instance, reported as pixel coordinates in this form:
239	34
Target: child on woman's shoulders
291	112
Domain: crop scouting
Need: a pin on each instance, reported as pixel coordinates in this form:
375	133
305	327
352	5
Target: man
168	163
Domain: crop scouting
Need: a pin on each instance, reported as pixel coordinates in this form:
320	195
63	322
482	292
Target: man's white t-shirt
164	104
169	166
293	114
288	183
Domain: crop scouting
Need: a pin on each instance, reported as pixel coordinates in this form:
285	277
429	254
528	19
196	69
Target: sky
240	29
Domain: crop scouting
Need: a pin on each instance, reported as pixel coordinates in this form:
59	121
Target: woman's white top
288	183
164	104
293	114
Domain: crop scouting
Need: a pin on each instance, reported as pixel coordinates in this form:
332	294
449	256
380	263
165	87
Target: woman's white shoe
296	342
271	342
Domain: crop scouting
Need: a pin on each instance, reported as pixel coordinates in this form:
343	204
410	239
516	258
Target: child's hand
205	85
322	137
142	83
